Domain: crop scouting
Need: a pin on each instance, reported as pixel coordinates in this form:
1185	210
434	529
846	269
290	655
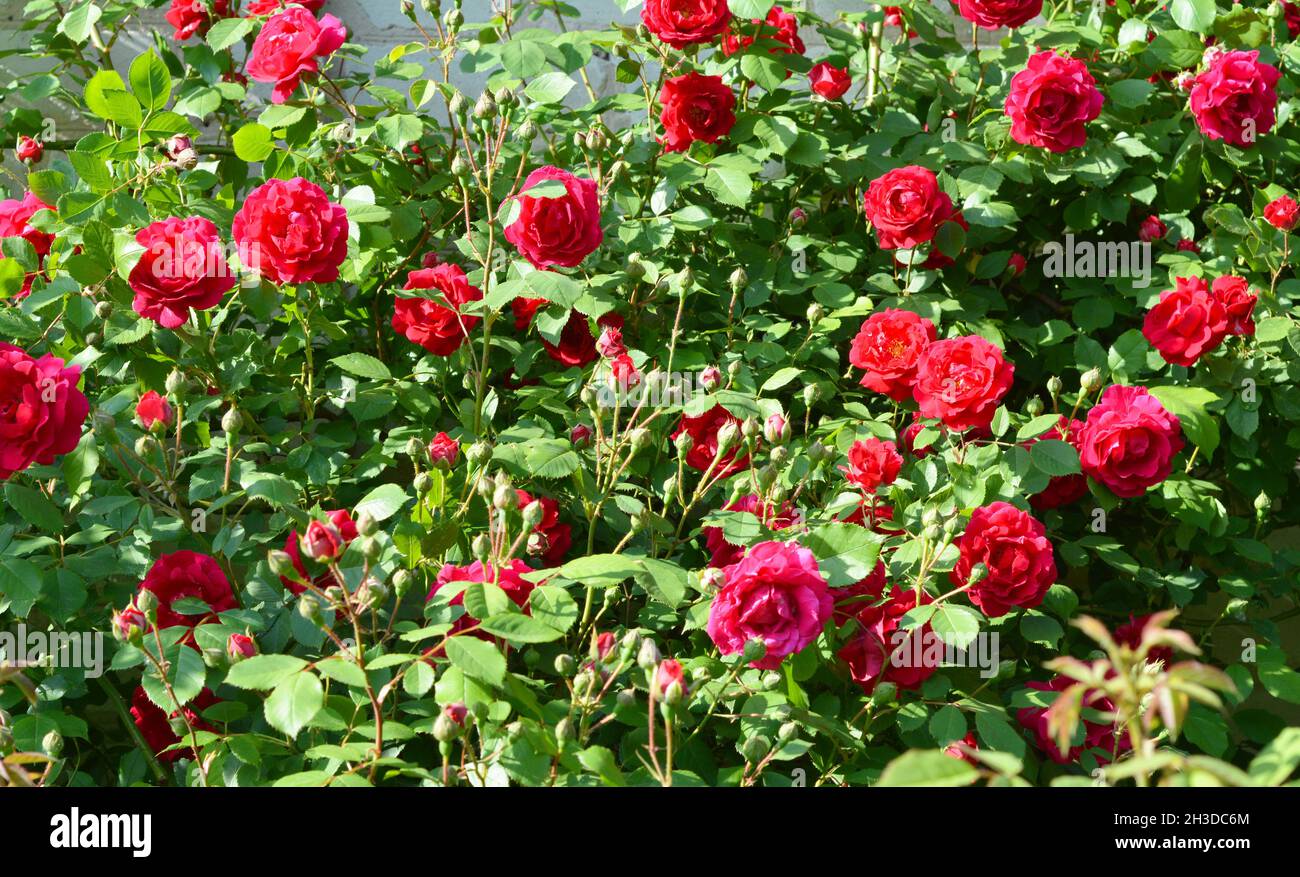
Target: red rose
703	430
994	14
1292	13
828	81
1017	264
775	593
267	7
787	34
323	542
577	347
906	207
872	463
41	409
183	268
872	513
437	323
1283	213
155	726
561	230
580	435
667	674
1233	98
509	578
880	652
960	381
1187	245
1128	441
958	749
610	343
287	47
1152	229
457	712
290	232
1062	489
1186	322
1234	294
342	524
681	23
524	310
194	17
1130	634
443	451
1097	736
1013	546
558	536
723	553
1051	101
15	221
152	409
695	107
29	150
183	574
623	373
239	646
888	347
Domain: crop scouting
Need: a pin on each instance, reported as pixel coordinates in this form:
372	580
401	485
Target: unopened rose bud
635	268
505	98
532	514
755	650
453	19
787	732
815	313
978	573
1054	386
1090	380
728	435
1236	608
712	579
648	656
811	394
596	140
52	744
104	309
232	421
309	606
402	580
817	452
459	168
485	107
505	497
580	435
640	439
240	646
884	694
755	749
423	483
527	132
738	279
176	381
711	378
1262	503
445	728
458	105
281	564
482	547
776	430
683	443
186	160
798	218
366	524
1034	407
626	698
565	664
479	453
144	445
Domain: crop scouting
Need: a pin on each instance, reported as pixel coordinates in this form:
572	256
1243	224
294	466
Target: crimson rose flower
703	430
193	17
15	221
1234	294
443	451
291	233
184	574
1233	98
723	553
560	230
828	81
667	674
1013	546
287	47
787	34
695	107
774	593
183	268
29	150
1130	634
1051	101
1186	322
341	521
879	652
887	348
1062	489
872	462
267	7
906	207
1282	213
509	578
558	537
681	23
437	324
1128	441
155	726
1097	736
41	409
240	646
152	409
1152	229
960	381
994	14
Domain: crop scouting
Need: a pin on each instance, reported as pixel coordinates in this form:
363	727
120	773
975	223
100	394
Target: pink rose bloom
776	594
1233	98
15	219
41	409
1051	101
1128	441
287	47
182	269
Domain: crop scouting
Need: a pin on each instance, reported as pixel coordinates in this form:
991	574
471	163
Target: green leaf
363	365
752	9
383	502
34	507
253	142
77	24
20	583
399	131
477	658
602	763
1039	628
926	767
947	725
227	31
956	625
1195	15
1278	759
516	627
846	553
729	184
1054	457
1188	404
549	88
150	81
294	703
264	671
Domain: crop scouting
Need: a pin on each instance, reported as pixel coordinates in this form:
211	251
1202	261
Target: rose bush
903	396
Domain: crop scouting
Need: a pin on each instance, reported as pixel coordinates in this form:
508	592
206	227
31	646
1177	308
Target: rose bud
1282	213
669	681
1185	80
456	712
29	150
610	343
322	542
443	451
533	513
239	647
1152	229
605	644
798	217
153	411
129	625
580	435
1017	264
711	378
538	544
